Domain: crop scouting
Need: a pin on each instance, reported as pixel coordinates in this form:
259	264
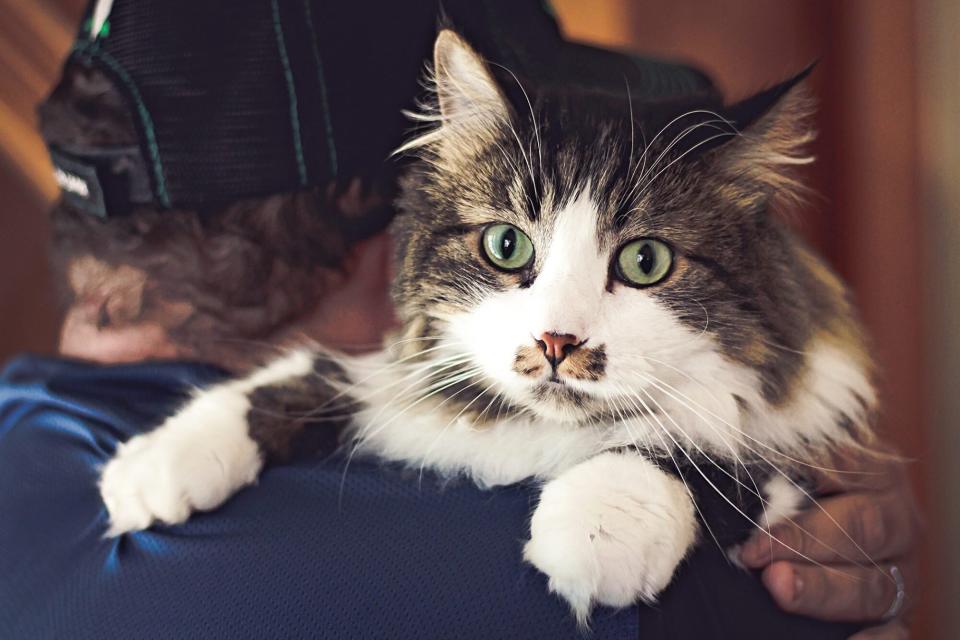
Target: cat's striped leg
218	442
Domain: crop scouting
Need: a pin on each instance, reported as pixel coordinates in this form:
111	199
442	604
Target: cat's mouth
561	390
555	390
585	364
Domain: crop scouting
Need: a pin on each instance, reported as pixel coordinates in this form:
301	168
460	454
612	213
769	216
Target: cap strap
102	182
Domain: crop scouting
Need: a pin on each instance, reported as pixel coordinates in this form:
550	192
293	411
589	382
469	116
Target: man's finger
844	594
851	528
852	471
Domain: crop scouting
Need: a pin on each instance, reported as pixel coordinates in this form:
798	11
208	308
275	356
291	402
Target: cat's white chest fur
405	423
498	453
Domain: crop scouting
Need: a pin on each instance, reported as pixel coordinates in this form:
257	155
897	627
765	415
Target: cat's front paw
194	461
610	531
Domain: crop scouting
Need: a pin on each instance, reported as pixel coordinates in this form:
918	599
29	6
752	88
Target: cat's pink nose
557	346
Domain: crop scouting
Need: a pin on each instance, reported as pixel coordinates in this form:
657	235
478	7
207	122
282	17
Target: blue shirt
318	549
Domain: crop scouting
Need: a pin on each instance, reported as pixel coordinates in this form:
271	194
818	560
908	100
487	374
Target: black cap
244	98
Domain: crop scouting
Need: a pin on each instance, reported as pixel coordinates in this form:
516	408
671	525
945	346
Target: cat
592	291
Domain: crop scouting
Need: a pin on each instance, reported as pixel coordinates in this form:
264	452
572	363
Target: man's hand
866	523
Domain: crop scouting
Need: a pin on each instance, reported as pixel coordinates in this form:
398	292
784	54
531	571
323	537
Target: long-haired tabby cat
590	288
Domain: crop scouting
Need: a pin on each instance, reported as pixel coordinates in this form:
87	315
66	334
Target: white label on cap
71	182
100	14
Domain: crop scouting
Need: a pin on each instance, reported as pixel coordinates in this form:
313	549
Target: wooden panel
34	37
939	92
880	225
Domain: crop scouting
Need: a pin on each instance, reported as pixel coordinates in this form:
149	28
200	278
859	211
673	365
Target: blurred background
888	178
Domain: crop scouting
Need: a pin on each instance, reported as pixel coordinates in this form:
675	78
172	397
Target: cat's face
581	319
587	254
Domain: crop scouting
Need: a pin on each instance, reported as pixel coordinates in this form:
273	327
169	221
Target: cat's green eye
507	247
644	262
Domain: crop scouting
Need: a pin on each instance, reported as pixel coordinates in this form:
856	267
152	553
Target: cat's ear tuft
468	106
467	93
753	110
775	132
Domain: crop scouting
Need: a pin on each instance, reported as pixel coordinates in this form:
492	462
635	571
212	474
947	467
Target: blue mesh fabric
316	550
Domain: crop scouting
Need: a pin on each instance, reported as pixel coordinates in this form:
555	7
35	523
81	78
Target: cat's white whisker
372	428
640	184
739	462
533	116
322	413
426	453
667	388
627	395
758	494
723	134
725	498
641	181
631	168
345	390
359	363
433	388
665	127
718	119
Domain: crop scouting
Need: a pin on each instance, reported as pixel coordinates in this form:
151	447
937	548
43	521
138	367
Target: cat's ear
470	107
774	133
469	99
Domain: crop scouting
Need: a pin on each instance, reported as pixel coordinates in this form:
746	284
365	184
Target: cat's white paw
610	531
194	461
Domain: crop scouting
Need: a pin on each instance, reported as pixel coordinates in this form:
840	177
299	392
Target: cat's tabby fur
747	353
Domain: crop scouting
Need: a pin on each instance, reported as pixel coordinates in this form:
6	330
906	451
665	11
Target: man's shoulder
81	378
323	544
129	397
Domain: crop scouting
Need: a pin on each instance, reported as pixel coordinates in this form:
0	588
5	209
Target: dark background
887	175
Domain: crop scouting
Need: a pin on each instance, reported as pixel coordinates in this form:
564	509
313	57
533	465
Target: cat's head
590	256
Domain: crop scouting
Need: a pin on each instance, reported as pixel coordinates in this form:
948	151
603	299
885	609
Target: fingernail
784	584
797	587
756	551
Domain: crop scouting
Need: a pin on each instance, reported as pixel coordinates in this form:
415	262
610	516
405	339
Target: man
224	188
